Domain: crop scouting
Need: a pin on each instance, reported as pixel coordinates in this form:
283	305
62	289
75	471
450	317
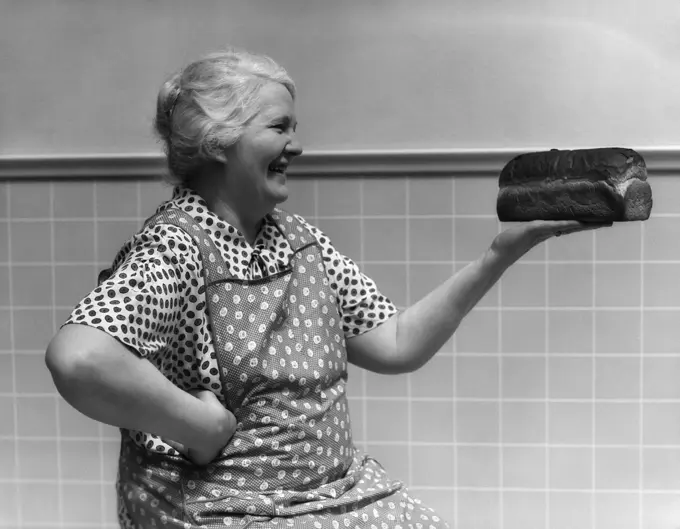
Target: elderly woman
218	341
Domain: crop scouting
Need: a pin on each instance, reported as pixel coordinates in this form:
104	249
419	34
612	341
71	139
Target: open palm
519	239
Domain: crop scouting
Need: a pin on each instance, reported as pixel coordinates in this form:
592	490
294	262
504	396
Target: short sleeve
139	303
362	305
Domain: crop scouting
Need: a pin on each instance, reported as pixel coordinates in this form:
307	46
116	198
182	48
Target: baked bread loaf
597	185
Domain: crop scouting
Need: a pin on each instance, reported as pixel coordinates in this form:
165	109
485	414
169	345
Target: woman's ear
214	149
221	157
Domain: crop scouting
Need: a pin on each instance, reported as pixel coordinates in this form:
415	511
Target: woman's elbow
65	361
409	363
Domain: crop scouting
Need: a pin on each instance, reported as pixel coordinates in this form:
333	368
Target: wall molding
470	162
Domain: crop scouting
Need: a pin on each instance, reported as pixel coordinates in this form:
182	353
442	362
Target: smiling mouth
278	168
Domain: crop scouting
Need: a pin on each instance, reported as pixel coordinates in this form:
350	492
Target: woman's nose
294	146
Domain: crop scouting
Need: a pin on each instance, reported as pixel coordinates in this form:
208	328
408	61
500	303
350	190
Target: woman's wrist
507	248
213	427
195	424
497	259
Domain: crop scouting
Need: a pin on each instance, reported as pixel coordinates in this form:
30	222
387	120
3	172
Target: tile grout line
385	442
520	264
60	485
364	375
614	491
593	386
79	525
454	363
673	216
641	462
12	342
409	385
448	399
535	308
100	428
546	374
447	353
501	462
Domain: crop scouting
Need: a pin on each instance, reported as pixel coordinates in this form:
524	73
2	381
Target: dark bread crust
600	185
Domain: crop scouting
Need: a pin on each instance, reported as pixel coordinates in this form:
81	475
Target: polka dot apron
283	367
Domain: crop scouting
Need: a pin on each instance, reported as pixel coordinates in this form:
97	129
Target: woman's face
257	163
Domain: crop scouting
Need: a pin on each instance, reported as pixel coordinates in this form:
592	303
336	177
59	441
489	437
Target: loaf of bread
591	185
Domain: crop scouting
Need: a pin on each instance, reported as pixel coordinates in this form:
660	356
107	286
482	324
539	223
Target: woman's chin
278	190
282	196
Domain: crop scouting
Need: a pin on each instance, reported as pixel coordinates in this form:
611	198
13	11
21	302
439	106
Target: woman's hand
222	427
516	241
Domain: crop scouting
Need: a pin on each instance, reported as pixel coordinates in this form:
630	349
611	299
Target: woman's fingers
557	228
205	395
179	447
583	227
517	240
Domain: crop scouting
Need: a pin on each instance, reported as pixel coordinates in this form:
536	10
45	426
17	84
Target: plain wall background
80	77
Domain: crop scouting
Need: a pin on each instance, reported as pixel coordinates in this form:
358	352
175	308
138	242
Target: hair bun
171	100
165	104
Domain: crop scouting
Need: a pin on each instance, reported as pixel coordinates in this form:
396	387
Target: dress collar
269	254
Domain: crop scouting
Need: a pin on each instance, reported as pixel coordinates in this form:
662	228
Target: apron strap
296	233
214	267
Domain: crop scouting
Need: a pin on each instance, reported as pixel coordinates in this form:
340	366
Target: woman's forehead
275	98
274	111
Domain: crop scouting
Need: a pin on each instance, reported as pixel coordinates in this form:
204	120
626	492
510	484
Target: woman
219	339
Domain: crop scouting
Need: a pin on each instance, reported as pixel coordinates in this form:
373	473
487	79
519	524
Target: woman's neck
220	203
249	228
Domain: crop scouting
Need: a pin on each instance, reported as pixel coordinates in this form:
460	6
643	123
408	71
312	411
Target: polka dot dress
264	327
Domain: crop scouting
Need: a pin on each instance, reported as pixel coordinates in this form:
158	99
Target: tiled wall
556	405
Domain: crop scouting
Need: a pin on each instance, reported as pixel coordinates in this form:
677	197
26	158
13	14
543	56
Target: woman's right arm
107	382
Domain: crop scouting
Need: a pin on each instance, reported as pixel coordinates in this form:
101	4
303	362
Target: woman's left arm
411	337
